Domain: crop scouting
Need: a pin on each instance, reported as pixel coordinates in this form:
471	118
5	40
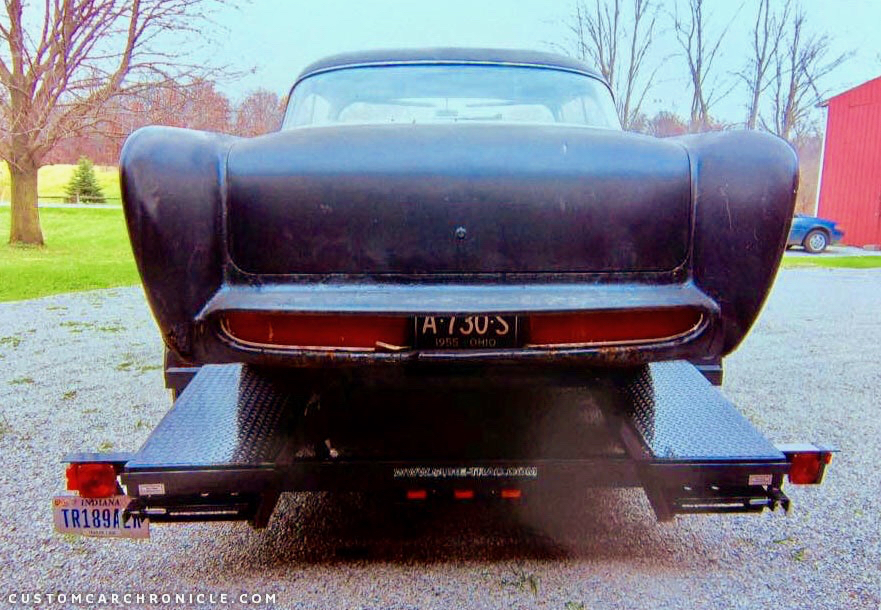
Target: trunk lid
457	199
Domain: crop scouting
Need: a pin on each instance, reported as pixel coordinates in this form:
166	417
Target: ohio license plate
97	517
466	332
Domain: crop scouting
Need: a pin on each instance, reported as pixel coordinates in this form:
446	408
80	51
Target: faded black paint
389	198
274	222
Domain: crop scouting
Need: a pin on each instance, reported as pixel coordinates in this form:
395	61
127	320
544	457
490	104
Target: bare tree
207	108
195	105
61	62
799	67
767	35
666	123
617	44
700	48
260	112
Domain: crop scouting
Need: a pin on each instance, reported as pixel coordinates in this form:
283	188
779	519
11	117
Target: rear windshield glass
450	94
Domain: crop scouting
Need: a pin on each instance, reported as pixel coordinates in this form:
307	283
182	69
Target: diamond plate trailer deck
238	436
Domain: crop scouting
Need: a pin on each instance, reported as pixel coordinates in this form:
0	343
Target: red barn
850	178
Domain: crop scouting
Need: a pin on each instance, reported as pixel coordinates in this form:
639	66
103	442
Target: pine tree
83	185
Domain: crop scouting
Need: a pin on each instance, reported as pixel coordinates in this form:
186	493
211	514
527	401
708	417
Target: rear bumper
426	299
835	236
438	299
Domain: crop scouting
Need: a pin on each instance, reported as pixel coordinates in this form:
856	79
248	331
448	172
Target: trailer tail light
92	480
610	327
417	494
808	468
355	332
463	494
511	494
807	462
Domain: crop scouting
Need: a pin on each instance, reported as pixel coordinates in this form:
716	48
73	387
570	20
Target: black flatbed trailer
239	436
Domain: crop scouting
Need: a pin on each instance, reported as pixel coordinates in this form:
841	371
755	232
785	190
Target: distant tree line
194	105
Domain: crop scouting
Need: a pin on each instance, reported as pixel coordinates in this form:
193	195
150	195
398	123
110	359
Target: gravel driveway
84	371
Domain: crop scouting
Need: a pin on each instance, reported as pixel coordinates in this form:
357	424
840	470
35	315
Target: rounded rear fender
743	187
172	189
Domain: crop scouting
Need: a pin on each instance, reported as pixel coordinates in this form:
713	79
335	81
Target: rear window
450	93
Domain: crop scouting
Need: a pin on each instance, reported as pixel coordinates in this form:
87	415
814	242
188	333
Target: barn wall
850	188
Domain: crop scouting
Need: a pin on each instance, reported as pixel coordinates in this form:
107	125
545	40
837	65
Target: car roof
449	55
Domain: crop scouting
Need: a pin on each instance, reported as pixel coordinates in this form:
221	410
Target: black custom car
463	206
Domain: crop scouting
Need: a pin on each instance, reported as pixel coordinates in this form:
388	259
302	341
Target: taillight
92	480
610	327
320	331
391	333
807	462
808	468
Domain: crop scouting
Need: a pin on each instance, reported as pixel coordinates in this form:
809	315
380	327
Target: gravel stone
82	371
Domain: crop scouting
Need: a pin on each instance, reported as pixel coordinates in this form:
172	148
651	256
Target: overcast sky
277	38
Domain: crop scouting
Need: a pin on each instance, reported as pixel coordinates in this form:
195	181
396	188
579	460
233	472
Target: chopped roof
449	55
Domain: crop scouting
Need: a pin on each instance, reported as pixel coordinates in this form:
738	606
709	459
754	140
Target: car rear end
465	239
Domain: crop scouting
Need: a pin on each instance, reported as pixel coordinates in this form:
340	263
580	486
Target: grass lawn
89	249
85	249
53	178
849	262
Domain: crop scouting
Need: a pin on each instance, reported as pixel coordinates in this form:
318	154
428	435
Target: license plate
466	332
100	517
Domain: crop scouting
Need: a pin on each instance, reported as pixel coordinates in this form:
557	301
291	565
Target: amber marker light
353	332
612	327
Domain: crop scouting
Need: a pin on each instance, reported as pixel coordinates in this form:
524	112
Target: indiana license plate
466	332
102	517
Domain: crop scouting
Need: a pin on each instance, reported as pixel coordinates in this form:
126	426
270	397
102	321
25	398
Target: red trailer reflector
808	468
463	494
416	494
511	494
92	480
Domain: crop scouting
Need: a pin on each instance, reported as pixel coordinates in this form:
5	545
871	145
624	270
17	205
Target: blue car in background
815	234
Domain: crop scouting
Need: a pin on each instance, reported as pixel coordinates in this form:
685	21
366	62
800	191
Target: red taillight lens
92	480
808	468
612	326
307	330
